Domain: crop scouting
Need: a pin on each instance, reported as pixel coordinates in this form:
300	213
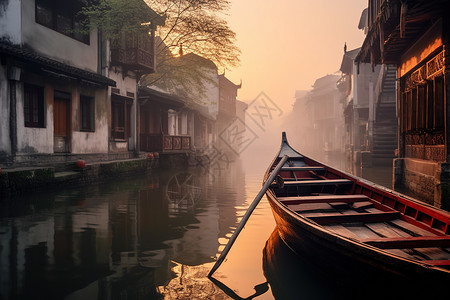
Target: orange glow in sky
287	44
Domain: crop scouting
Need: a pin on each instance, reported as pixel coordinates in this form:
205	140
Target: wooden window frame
87	111
34	106
59	10
121	119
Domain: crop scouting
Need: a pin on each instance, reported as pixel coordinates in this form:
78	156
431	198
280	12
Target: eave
419	16
30	60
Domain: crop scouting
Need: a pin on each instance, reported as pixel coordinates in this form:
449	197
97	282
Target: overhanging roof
348	60
29	59
417	17
146	93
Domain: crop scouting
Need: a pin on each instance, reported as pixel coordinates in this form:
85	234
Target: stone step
384	140
378	156
385	134
385	145
383	151
66	175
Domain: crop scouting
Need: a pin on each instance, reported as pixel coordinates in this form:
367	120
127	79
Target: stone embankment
16	180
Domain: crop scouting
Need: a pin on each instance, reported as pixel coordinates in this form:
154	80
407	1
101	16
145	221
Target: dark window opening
121	119
87	107
33	106
63	17
423	107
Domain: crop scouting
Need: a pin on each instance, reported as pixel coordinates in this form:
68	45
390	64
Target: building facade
414	36
325	116
66	95
227	114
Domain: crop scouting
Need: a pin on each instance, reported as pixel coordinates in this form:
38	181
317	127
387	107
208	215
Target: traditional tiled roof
157	95
52	67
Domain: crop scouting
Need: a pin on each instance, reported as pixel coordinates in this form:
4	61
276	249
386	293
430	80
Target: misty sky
287	44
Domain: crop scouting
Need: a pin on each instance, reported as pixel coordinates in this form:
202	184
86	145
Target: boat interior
356	209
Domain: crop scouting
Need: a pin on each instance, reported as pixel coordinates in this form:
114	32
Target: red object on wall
81	164
156	154
150	155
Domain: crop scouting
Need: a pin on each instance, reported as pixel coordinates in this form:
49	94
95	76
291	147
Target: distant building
175	120
297	123
414	36
369	107
324	113
226	117
164	125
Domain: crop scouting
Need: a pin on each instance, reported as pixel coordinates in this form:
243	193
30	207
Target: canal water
156	237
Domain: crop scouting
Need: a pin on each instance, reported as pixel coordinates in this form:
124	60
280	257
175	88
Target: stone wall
13	181
427	179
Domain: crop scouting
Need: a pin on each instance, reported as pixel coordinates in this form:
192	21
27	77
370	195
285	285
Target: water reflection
126	239
305	276
150	237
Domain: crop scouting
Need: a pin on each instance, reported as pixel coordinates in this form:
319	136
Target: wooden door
61	118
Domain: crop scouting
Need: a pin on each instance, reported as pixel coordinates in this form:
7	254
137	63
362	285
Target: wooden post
247	215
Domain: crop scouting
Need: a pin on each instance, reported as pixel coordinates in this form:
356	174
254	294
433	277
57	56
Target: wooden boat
350	224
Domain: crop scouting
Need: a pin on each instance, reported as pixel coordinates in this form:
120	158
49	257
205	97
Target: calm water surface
151	237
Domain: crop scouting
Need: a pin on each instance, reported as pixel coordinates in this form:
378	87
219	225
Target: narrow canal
155	237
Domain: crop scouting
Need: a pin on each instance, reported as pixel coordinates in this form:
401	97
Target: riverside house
414	36
65	95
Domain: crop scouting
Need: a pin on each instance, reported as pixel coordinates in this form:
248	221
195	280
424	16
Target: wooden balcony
134	52
164	143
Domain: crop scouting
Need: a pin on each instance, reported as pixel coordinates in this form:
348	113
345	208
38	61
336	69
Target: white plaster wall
10	20
33	140
5	143
172	120
210	97
91	142
55	45
127	84
212	93
184	123
361	83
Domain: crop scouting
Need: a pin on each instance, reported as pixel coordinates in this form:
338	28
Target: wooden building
156	108
62	96
414	36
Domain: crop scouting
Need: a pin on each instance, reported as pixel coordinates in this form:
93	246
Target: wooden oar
247	215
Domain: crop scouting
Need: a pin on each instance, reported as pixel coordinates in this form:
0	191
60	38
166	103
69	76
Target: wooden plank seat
442	263
410	242
362	205
305	207
356	217
323	199
306	168
319	182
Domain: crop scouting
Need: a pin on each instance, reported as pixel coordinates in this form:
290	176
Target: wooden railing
135	52
428	146
162	142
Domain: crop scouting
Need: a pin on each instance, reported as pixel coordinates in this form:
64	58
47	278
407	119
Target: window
87	108
33	106
121	118
62	16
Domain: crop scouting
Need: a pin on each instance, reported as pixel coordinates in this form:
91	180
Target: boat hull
294	276
348	258
345	254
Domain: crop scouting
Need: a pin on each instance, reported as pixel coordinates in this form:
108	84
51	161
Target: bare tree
196	27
